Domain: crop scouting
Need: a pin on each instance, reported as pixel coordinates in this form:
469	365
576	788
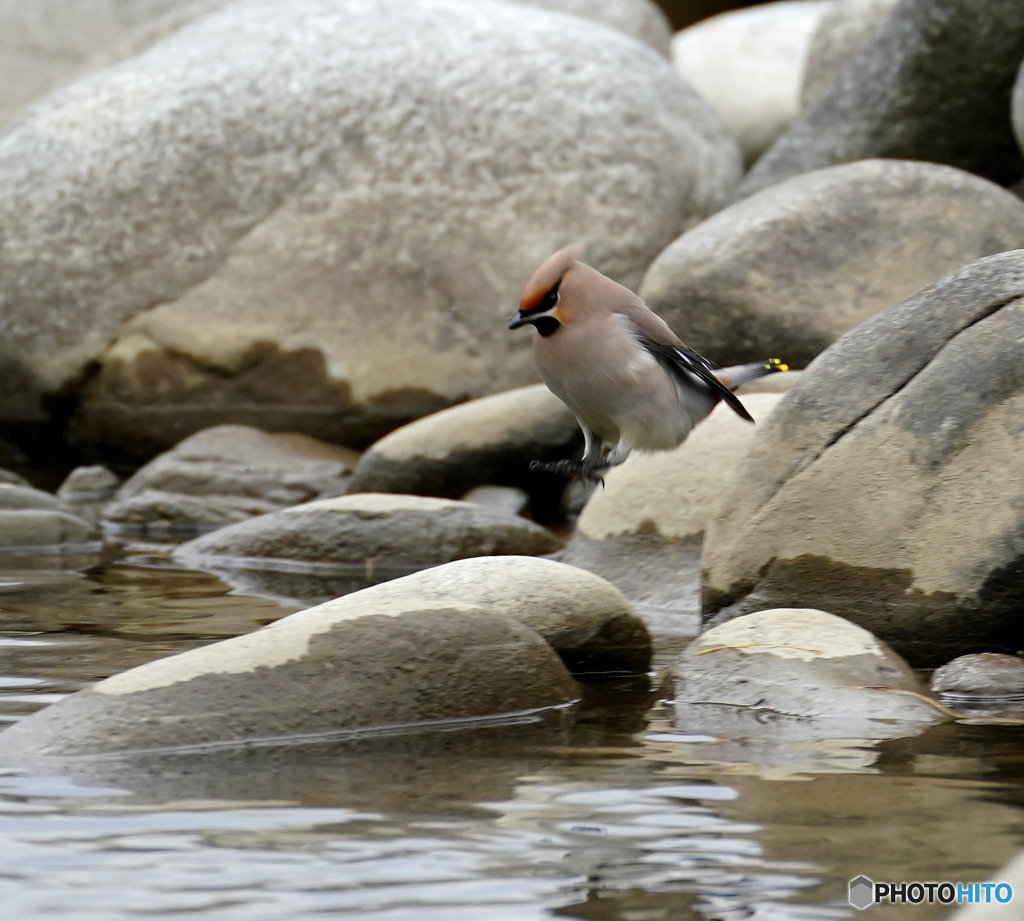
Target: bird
631	382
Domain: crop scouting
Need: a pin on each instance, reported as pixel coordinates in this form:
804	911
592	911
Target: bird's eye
551	298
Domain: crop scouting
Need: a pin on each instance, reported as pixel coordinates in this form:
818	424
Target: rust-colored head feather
548	275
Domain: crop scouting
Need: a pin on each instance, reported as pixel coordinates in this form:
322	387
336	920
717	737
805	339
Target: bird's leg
593	449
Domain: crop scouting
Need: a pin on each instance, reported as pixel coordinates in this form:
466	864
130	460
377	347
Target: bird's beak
518	320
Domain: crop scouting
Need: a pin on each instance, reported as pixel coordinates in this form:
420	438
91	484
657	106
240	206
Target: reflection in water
623	817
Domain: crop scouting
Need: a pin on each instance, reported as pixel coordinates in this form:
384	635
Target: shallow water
620	817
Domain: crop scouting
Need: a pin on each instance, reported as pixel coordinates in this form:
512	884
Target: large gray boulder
643	530
489	440
227	474
370	530
787	271
46	529
841	32
796	673
377	667
886	485
47	43
267	220
748	64
984	675
934	83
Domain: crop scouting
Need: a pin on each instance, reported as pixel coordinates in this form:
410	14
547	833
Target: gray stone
8	476
644	530
42	528
787	271
87	491
46	43
640	19
885	486
841	32
796	673
372	668
227	474
984	674
13	497
482	441
89	484
253	161
748	64
914	92
505	499
153	511
370	529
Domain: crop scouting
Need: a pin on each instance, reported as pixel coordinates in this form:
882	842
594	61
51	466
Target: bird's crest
548	275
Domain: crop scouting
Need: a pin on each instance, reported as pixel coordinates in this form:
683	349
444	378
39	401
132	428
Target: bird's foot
571	468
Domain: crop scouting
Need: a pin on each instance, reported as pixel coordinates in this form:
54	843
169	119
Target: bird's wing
686	365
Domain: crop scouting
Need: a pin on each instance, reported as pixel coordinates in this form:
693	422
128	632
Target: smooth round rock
787	271
984	674
841	32
886	485
491	439
227	474
906	95
314	216
796	670
389	530
644	530
14	497
587	621
387	667
36	527
748	64
89	484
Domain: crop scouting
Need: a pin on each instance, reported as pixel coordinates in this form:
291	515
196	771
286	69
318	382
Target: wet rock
383	667
910	93
490	440
841	32
792	673
269	150
984	674
643	531
370	529
587	621
748	64
227	474
505	499
41	527
87	491
785	272
885	485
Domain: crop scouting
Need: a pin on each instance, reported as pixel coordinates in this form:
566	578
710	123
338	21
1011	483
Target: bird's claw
571	468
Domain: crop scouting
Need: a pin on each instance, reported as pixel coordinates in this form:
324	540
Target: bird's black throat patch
547	326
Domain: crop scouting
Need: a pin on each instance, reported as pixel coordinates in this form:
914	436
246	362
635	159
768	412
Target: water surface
620	817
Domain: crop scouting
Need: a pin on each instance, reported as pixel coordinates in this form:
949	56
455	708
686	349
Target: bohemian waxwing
628	379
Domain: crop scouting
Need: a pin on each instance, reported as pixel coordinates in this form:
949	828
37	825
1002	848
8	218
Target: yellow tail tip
775	365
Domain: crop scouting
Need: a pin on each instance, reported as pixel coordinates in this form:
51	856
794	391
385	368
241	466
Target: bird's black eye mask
549	300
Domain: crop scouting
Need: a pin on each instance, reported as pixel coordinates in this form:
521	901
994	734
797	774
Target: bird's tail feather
738	375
